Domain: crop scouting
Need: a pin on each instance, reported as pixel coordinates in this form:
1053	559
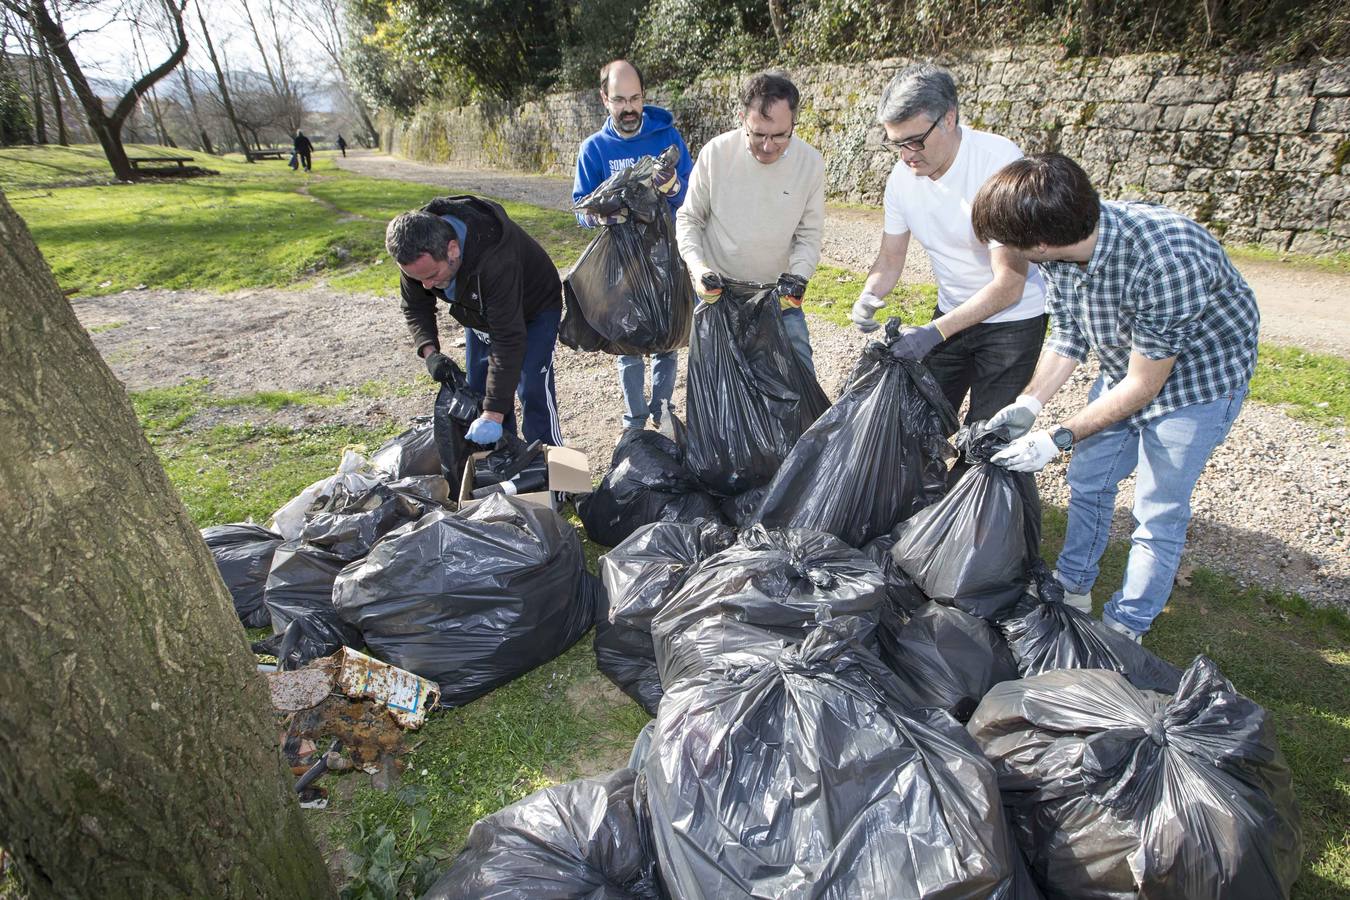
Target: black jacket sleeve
503	299
419	311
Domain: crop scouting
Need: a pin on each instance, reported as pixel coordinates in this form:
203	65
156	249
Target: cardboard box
568	471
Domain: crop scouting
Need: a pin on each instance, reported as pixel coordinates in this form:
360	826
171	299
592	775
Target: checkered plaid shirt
1160	285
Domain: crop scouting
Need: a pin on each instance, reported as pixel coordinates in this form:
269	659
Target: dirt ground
1273	508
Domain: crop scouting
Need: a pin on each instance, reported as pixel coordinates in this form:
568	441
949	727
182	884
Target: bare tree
288	101
323	20
62	136
106	126
186	72
223	85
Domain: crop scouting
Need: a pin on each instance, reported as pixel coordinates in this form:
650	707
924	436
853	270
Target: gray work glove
865	310
1019	416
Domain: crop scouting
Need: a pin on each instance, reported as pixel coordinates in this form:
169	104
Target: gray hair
411	234
920	88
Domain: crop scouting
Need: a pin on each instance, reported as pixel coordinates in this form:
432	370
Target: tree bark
224	87
138	755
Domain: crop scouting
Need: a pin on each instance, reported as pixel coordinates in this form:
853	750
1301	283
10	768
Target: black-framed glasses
777	140
913	145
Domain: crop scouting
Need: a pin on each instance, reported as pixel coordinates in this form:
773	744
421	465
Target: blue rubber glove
916	343
484	431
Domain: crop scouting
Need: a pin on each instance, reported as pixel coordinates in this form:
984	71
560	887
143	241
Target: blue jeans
794	323
538	397
1170	453
633	379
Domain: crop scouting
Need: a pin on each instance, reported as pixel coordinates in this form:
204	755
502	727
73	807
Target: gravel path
1271	508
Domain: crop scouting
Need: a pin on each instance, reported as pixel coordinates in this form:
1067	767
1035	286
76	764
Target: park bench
141	162
255	155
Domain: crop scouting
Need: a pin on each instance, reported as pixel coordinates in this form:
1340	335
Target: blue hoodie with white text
606	152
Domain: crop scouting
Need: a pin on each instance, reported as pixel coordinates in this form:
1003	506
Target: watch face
1063	438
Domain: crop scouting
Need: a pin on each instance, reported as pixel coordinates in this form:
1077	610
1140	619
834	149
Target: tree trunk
39	113
224	88
138	756
62	137
186	72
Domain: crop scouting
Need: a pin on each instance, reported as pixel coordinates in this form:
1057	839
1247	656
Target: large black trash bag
457	405
471	600
974	549
582	839
803	773
947	658
771	586
901	592
1045	634
1116	792
243	554
749	395
647	482
300	587
640	576
873	459
411	453
630	292
347	523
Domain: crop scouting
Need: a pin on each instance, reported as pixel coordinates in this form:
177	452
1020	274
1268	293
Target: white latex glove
1027	454
1019	416
865	310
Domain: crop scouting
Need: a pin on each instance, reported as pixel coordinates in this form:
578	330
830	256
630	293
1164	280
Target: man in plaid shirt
1174	328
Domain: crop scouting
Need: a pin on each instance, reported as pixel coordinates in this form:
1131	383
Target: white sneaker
1115	626
1080	602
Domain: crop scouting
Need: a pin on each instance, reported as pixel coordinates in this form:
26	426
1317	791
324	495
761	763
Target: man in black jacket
303	149
505	291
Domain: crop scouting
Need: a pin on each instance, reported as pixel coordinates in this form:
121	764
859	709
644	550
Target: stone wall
1261	155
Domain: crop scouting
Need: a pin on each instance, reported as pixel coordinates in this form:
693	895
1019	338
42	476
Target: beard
628	123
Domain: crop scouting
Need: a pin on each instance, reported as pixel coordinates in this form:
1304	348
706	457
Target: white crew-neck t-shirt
937	213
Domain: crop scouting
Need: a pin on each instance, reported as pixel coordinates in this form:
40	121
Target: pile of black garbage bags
869	685
375	557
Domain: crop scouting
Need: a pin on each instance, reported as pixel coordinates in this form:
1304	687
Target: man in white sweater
755	210
986	332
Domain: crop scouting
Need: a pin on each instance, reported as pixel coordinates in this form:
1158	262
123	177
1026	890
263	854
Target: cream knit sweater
752	221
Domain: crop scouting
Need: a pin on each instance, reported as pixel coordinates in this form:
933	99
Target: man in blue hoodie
632	131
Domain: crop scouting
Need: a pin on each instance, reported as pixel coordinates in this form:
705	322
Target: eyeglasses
913	145
777	140
635	100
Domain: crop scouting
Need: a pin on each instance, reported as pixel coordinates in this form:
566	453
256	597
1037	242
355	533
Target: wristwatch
1063	439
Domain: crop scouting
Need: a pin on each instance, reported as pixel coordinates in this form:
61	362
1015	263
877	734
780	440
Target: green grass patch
832	293
1313	386
249	226
163	410
1331	262
107	326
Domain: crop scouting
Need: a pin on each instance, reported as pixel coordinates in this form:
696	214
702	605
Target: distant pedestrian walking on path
342	145
303	149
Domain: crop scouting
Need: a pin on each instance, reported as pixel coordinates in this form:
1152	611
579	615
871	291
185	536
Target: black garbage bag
975	548
243	554
411	453
647	482
749	395
582	839
902	594
640	575
630	292
347	523
873	459
1116	792
803	773
946	658
300	587
740	510
769	587
457	405
1045	634
471	600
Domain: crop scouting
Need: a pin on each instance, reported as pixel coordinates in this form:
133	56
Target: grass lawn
252	226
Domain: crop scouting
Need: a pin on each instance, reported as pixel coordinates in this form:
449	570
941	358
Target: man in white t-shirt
987	329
